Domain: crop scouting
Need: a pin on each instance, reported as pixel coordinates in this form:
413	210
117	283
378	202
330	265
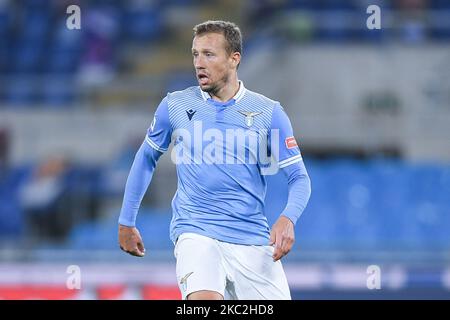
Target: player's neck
228	91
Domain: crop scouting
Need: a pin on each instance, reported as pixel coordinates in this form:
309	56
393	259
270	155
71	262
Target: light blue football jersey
223	152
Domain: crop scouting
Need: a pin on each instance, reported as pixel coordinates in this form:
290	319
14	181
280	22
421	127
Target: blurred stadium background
371	109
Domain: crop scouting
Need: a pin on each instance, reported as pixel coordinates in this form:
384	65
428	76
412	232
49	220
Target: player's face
213	64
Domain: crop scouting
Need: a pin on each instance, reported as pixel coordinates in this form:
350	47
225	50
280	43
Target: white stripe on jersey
154	145
289	161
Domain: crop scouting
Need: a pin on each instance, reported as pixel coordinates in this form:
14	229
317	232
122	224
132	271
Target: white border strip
290	161
154	145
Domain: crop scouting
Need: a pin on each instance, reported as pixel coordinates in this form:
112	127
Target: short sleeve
160	131
287	151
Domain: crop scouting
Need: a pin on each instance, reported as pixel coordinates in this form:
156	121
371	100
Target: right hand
130	241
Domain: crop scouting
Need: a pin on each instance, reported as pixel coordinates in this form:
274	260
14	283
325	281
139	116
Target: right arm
137	184
156	142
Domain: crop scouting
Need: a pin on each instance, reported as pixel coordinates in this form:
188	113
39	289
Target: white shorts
237	272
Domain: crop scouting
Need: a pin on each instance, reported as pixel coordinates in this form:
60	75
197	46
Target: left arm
282	233
290	162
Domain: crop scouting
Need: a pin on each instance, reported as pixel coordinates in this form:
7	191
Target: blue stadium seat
63	62
334	26
143	25
28	57
177	3
355	205
179	80
438	26
11	213
5	22
65	50
303	4
3	56
439	4
11	217
37	4
153	226
37	25
21	91
58	91
338	4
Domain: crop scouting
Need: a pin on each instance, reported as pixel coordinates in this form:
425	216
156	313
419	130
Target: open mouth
202	78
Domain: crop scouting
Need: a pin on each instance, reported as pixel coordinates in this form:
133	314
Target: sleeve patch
290	142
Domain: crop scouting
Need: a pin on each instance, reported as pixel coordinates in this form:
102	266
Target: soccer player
223	136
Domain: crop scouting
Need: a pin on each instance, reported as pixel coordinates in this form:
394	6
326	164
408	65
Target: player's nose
199	63
198	66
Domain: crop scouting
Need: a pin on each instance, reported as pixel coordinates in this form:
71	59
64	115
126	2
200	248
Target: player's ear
235	59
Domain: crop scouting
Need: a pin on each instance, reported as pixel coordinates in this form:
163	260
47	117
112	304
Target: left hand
130	241
283	236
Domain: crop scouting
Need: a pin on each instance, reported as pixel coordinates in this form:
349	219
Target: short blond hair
230	31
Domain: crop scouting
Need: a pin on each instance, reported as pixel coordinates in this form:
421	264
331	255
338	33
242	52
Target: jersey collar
238	96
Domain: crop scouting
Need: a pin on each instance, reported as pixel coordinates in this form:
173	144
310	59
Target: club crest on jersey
249	117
